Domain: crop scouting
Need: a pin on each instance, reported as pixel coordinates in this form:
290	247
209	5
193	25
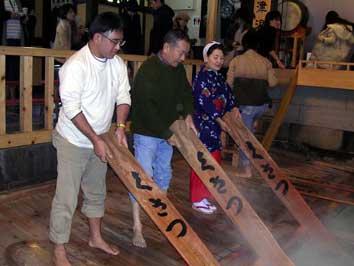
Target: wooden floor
24	217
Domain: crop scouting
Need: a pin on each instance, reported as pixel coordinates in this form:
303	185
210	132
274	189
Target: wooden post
2	96
189	72
49	92
281	112
26	67
228	196
157	205
211	20
281	185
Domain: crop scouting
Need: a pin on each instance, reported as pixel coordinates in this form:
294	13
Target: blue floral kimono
212	99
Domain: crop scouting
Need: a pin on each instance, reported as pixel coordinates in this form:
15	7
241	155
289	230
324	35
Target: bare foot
138	239
246	172
59	256
104	246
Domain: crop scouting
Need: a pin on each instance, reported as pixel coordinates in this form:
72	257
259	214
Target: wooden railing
26	135
336	75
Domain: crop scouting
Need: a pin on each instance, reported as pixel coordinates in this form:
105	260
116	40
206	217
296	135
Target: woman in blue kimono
212	99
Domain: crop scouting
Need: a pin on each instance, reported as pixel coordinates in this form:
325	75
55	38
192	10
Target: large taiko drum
294	14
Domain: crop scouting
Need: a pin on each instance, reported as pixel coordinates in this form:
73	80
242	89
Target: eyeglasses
116	42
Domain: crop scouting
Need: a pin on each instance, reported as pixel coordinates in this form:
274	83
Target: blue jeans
155	156
249	115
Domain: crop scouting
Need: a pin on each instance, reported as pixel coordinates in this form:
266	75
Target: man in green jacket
160	96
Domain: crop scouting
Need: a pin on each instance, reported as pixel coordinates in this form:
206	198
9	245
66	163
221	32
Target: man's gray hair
174	36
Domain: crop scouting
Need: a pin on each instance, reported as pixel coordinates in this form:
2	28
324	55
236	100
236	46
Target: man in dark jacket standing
163	22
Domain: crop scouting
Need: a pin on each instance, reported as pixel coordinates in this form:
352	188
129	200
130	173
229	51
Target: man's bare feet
138	239
104	246
59	256
96	240
243	172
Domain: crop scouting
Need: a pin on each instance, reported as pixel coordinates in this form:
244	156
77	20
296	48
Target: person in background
163	22
334	42
14	19
250	75
268	36
241	23
30	28
63	36
180	21
132	29
93	84
4	16
161	95
212	99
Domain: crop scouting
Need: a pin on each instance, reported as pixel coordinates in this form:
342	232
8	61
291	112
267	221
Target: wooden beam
212	20
326	78
26	138
344	168
49	93
157	205
235	206
281	112
32	51
321	184
44	52
26	68
2	96
281	185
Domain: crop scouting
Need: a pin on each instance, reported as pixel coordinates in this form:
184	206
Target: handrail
326	74
26	135
310	73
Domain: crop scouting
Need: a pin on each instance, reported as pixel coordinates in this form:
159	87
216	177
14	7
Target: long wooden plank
279	116
281	185
157	205
2	96
324	197
228	196
26	68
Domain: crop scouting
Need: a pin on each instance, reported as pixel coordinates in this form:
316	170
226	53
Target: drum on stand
294	19
294	14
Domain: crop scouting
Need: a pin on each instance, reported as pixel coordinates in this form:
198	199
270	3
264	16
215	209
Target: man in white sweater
92	83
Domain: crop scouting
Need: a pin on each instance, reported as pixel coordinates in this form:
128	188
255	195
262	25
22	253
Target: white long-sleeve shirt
92	87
